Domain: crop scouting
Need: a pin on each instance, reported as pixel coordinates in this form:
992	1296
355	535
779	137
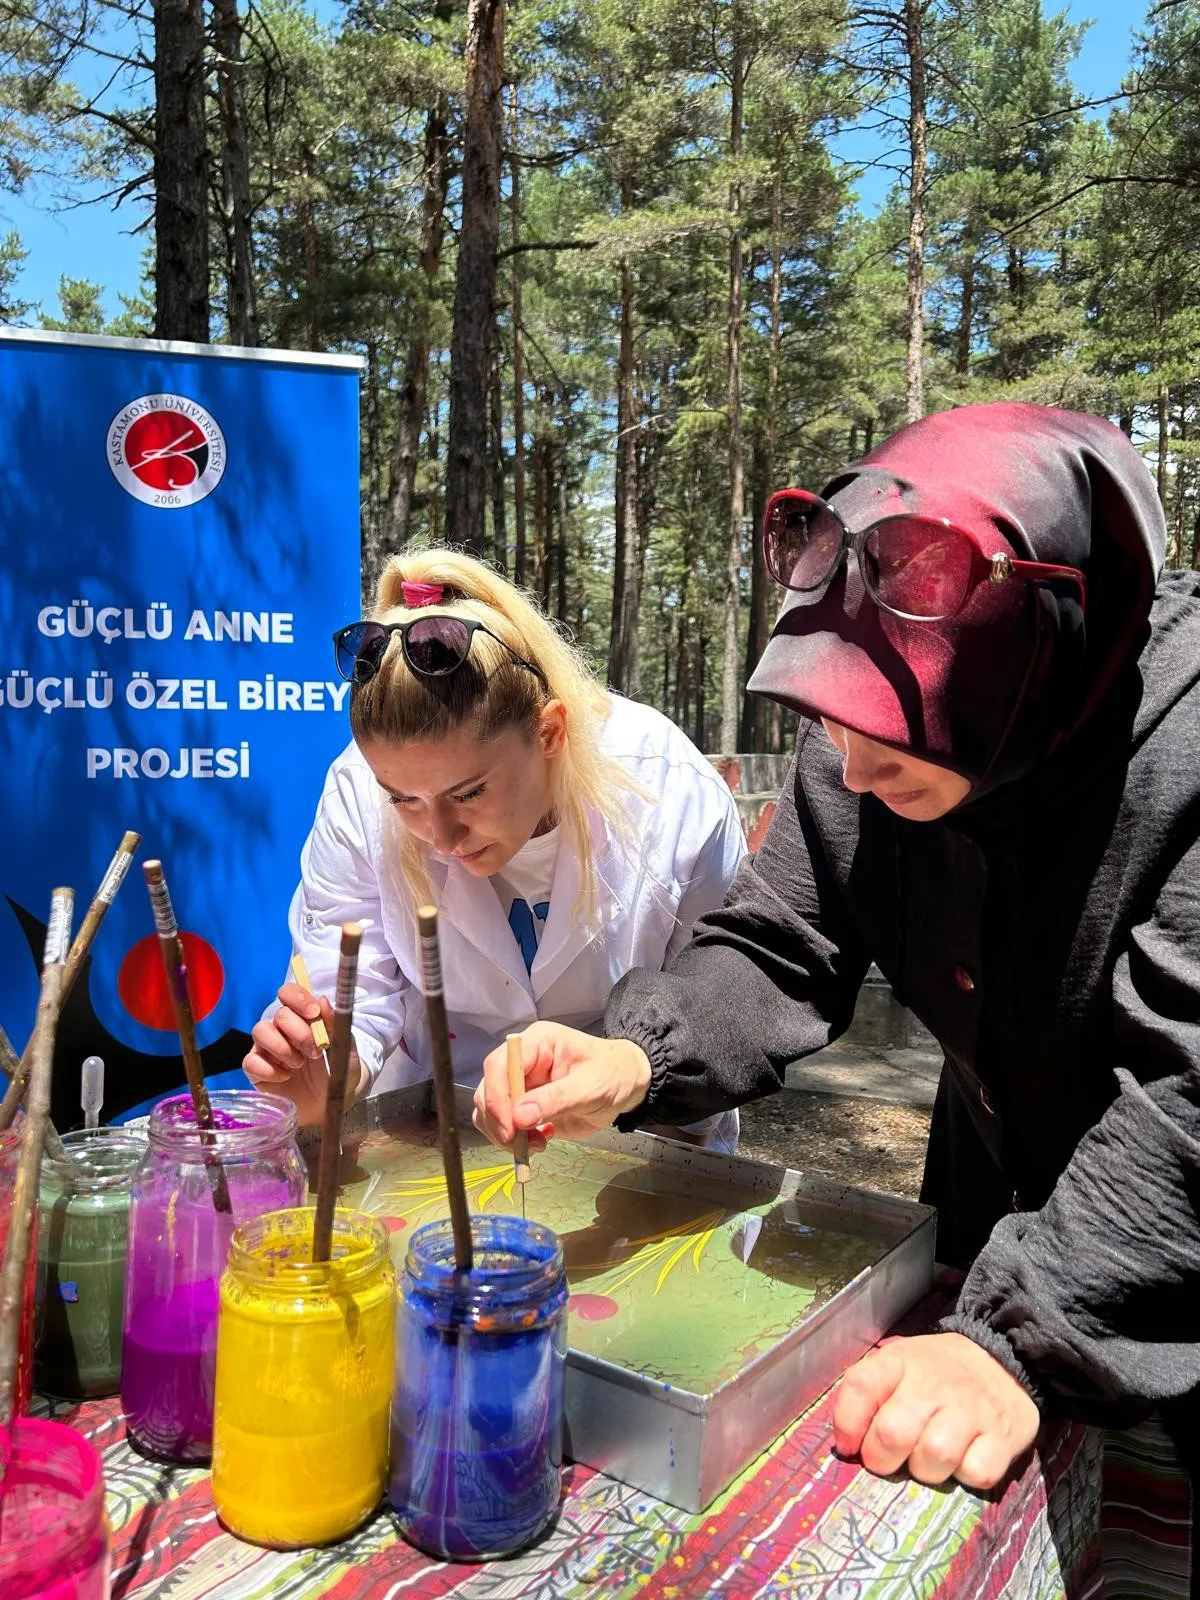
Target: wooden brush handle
320	1032
33	1139
335	1094
18	1074
516	1089
443	1084
171	946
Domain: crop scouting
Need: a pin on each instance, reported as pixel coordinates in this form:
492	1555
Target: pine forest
606	266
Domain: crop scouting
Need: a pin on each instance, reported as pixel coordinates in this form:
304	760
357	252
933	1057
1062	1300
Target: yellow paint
304	1374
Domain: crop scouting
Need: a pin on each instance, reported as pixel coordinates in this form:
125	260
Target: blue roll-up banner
180	536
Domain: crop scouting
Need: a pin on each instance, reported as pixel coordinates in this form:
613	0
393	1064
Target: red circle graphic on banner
142	981
165	451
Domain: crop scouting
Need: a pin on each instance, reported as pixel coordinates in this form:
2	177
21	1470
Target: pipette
92	1094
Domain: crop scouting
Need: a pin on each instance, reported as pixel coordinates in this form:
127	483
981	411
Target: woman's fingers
274	1047
942	1446
938	1402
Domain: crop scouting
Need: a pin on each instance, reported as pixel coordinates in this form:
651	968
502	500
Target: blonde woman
567	836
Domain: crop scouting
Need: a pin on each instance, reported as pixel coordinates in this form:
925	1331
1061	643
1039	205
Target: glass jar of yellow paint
304	1377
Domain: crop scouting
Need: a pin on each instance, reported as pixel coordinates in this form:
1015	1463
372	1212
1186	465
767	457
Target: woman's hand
575	1084
940	1403
285	1059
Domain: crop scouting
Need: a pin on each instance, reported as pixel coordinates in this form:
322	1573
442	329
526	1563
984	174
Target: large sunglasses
923	569
433	646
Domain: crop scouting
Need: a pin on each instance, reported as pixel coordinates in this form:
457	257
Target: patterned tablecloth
799	1522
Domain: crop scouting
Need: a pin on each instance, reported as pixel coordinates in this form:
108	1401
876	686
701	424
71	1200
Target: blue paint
477	1414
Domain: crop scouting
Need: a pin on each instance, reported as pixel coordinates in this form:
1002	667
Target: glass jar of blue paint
477	1409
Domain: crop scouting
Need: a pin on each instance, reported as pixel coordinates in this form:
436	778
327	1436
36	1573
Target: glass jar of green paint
82	1245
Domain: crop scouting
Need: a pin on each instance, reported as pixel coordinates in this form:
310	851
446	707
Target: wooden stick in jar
335	1095
33	1139
171	946
443	1083
18	1076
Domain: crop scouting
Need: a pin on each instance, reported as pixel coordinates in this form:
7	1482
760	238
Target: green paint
666	1249
81	1262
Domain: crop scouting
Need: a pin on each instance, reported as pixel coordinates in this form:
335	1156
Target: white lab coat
684	846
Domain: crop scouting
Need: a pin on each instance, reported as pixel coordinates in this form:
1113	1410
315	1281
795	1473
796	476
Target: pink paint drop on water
593	1307
394	1224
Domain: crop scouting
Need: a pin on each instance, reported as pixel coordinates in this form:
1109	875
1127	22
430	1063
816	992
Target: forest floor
849	1112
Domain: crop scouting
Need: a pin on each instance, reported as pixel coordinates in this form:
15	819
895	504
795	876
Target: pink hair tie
417	595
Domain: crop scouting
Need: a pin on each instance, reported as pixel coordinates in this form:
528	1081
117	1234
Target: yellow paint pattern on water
667	1276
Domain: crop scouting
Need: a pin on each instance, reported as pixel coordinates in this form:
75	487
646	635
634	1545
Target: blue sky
94	241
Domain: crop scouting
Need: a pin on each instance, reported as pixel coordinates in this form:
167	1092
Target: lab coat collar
565	935
472	906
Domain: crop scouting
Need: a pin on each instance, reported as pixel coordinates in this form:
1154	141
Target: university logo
166	450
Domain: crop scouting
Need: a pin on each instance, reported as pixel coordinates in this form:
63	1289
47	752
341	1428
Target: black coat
1049	937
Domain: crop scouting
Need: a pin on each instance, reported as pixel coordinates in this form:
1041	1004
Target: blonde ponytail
490	692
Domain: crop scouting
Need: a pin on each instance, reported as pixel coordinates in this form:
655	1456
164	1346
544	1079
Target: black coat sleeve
1095	1300
769	977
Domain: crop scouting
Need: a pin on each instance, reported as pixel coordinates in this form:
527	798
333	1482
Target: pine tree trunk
682	662
540	497
700	731
731	663
563	523
499	518
664	626
308	224
647	452
237	203
434	435
966	317
581	566
753	706
411	415
372	544
475	282
181	308
915	48
623	641
1164	441
520	558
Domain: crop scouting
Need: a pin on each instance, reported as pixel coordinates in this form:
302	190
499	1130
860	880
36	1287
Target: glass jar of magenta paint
10	1149
477	1411
82	1243
53	1531
304	1377
178	1245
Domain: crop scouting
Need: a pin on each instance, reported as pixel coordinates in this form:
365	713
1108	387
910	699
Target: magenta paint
169	1372
53	1531
178	1245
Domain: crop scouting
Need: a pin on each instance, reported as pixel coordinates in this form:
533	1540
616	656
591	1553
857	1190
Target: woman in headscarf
996	797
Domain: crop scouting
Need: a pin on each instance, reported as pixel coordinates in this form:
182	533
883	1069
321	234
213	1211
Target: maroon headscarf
994	689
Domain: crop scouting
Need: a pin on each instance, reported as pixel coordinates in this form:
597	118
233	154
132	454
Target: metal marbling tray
682	1441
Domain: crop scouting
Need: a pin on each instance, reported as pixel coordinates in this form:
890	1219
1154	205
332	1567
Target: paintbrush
33	1139
171	946
18	1071
335	1094
320	1032
516	1089
443	1083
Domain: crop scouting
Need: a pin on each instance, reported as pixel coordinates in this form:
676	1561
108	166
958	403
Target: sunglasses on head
433	646
923	569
